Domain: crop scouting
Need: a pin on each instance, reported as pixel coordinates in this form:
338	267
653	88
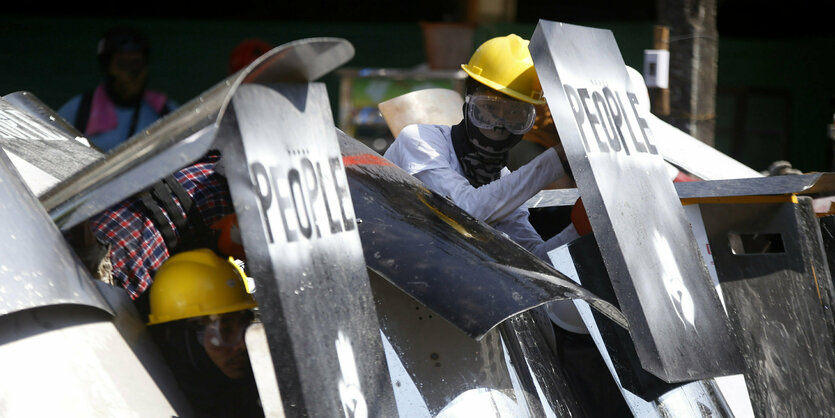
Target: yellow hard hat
197	283
504	64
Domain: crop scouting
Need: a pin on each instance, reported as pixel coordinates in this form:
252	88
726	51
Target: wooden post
693	45
471	10
660	97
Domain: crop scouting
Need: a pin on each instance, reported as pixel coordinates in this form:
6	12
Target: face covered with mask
499	117
493	124
123	57
126	77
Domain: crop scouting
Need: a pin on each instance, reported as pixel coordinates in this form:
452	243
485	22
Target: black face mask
481	158
119	99
125	78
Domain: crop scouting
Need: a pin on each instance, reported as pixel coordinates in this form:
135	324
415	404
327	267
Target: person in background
200	310
121	105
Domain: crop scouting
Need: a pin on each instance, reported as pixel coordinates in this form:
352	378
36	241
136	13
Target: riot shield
661	282
300	234
767	254
646	395
38	269
437	370
461	268
63	336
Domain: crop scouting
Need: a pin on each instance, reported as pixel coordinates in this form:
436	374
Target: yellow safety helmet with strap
504	64
197	283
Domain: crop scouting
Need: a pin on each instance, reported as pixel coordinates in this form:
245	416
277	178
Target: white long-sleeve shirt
426	152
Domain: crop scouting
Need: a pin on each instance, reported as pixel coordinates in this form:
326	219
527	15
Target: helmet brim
500	88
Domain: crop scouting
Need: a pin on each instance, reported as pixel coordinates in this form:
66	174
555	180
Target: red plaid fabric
137	247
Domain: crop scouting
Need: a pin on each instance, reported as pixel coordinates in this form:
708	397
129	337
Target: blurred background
769	94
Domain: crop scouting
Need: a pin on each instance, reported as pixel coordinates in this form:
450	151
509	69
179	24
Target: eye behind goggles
225	330
490	112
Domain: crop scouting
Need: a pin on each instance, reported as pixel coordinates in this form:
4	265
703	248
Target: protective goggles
490	112
224	330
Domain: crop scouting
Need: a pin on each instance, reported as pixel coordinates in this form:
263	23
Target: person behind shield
121	105
467	162
200	310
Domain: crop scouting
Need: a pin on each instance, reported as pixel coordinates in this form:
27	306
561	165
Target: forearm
496	200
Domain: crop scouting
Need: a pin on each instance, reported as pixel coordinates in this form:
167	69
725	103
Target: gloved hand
684	177
543	132
229	239
579	218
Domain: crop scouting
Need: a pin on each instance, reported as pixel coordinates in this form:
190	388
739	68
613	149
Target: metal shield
461	268
776	283
300	233
661	282
37	266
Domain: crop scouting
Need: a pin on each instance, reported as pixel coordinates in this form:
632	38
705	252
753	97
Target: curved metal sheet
461	268
818	184
194	123
37	267
430	106
553	197
438	369
72	361
31	104
39	143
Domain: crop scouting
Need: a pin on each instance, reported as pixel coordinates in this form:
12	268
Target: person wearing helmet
121	105
200	308
467	162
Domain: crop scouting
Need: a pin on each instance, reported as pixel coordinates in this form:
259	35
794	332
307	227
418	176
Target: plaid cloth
137	247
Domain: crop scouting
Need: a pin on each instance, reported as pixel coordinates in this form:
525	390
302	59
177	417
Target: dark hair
121	39
471	85
207	389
